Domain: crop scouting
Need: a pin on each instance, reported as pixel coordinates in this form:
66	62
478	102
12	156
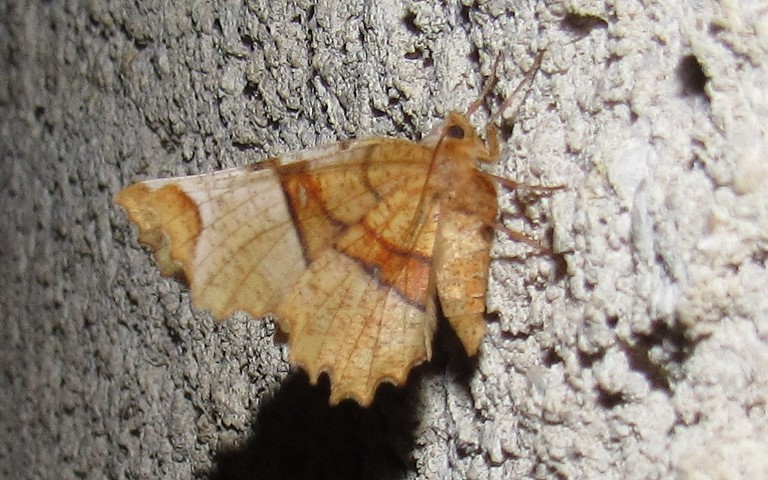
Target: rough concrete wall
640	353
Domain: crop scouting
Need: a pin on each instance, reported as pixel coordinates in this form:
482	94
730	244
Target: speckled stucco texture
638	351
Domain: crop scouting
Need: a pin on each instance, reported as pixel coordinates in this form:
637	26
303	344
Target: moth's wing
337	241
462	256
242	237
364	311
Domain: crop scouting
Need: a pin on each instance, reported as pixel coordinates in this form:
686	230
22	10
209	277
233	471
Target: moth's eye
455	131
487	232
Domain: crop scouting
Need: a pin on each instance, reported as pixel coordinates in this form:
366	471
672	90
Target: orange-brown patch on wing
169	223
394	241
316	228
324	202
407	273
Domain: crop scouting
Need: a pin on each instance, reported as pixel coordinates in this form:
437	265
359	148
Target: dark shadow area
588	359
610	400
297	435
582	24
449	359
672	349
693	79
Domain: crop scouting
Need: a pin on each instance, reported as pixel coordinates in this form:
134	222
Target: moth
350	246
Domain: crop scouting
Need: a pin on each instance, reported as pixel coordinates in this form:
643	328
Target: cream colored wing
240	238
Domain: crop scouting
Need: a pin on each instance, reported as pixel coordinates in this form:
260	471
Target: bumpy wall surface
639	351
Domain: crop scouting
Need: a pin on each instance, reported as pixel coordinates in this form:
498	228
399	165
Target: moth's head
456	138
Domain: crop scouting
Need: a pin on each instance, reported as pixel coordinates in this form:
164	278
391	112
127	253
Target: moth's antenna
525	83
486	90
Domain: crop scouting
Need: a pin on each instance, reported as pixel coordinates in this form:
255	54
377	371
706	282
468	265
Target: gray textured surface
642	354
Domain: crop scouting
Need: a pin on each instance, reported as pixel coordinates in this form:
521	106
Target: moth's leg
514	185
492	141
524	238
